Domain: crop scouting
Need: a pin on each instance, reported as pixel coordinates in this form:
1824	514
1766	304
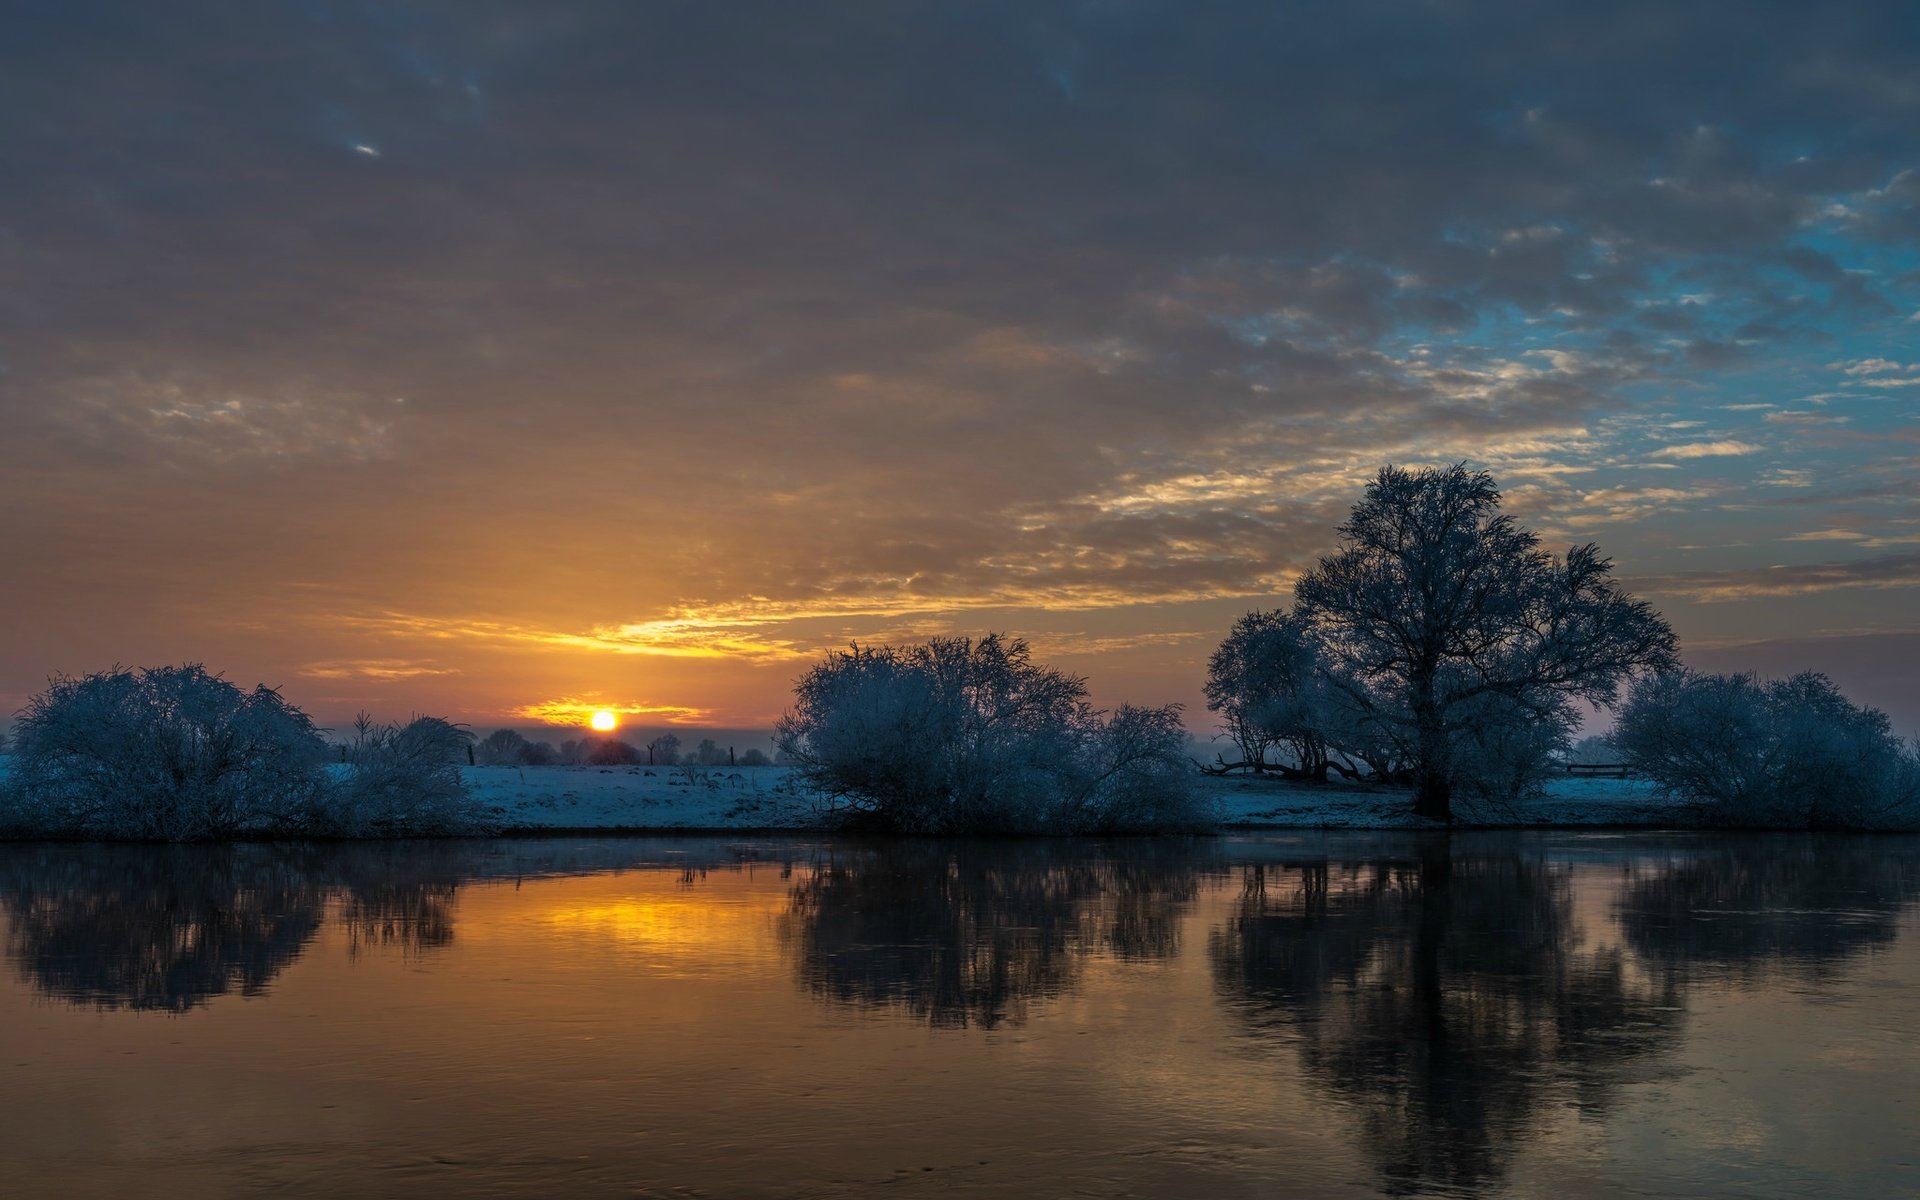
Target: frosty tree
1440	614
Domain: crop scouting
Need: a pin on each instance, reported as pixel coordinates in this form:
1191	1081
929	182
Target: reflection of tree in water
1444	996
968	934
170	927
1742	905
156	927
399	894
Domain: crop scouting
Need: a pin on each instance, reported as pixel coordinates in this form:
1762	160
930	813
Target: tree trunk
1433	795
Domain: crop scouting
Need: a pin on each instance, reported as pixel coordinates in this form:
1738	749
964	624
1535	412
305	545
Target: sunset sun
603	720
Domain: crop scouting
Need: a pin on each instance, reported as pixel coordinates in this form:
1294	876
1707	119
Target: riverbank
536	800
540	801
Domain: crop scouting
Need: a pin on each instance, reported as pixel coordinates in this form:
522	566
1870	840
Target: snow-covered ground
554	799
532	799
1273	803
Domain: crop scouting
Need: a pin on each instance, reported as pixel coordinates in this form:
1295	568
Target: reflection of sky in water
1339	1015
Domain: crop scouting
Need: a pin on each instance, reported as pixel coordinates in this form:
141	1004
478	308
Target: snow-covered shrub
1135	776
958	736
1505	749
171	753
1792	753
693	773
401	781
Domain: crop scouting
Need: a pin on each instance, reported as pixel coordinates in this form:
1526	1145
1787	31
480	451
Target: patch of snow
539	799
741	799
1249	802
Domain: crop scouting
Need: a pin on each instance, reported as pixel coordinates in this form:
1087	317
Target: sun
603	720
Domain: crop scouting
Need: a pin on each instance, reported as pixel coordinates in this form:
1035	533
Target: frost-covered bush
1134	776
1790	753
177	754
171	753
401	781
1506	749
958	736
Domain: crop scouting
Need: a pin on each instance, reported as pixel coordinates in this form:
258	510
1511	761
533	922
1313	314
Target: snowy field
531	799
562	799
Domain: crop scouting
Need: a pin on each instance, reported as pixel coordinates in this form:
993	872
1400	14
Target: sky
502	360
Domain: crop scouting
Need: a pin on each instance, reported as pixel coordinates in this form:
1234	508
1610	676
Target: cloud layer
644	350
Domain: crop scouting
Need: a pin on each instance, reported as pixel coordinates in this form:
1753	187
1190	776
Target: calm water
1320	1015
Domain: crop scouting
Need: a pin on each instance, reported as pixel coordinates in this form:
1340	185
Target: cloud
1725	449
198	421
386	670
1082	644
682	636
574	711
1867	366
1884	571
1826	535
1801	417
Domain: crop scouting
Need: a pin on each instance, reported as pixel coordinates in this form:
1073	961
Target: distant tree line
507	748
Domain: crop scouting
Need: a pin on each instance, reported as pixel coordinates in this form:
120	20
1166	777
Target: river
1519	1014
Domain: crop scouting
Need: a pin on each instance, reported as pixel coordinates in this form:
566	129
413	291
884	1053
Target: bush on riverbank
1781	754
401	781
178	754
957	736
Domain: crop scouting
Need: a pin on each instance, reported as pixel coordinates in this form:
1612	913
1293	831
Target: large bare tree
1439	611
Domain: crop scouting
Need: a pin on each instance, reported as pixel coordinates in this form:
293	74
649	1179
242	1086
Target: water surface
1514	1014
